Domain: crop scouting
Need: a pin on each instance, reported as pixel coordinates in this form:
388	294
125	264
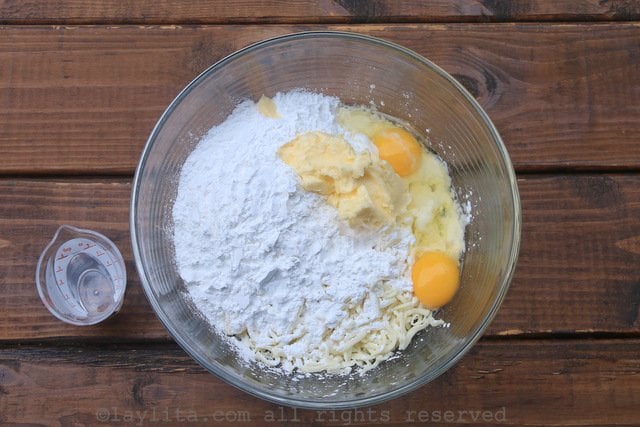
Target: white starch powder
261	255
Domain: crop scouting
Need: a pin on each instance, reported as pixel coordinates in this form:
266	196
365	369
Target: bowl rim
368	400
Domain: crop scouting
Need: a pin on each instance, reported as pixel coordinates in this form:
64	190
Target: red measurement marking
90	245
108	263
62	256
67	249
99	253
60	282
59	269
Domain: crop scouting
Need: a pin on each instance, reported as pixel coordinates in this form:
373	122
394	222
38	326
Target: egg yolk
399	148
435	278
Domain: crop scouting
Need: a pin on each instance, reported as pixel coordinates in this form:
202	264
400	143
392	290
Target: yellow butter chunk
360	186
268	108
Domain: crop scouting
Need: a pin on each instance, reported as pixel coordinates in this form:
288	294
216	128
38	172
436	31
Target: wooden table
83	82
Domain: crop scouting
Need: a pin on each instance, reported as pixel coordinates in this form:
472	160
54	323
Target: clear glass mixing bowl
359	70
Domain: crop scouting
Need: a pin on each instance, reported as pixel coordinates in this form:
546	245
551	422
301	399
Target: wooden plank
297	11
83	100
537	383
580	252
577	273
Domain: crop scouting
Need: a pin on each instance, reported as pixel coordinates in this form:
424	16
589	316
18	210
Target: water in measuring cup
90	282
84	277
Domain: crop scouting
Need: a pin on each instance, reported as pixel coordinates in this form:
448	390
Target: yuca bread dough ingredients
276	268
316	157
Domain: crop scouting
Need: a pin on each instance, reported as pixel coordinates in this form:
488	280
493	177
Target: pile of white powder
260	254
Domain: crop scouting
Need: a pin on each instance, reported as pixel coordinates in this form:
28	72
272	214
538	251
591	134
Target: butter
268	108
364	189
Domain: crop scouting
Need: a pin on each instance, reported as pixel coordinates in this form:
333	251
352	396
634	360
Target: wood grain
577	273
297	11
83	100
537	383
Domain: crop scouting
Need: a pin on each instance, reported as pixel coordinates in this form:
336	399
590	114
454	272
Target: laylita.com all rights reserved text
175	415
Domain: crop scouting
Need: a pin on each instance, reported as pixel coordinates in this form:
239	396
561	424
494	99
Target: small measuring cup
80	276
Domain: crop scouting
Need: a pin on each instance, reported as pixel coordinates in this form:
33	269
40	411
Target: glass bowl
359	70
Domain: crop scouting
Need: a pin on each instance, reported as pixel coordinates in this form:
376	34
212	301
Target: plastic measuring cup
81	277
